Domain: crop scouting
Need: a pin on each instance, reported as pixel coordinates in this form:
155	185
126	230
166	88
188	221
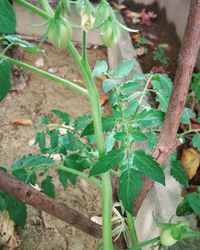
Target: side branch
168	142
31	196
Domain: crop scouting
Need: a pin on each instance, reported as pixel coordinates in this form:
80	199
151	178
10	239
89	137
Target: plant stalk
132	229
145	243
60	80
96	115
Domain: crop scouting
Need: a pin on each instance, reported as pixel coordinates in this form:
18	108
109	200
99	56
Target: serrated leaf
178	172
63	116
3	169
138	135
110	142
74	142
148	166
30	161
7	18
48	187
130	108
120	136
63	178
129	185
195	85
196	141
129	87
70	163
5	71
187	115
41	140
17	210
163	86
194	201
23	175
152	140
124	69
108	161
184	208
108	85
82	121
24	44
149	118
100	68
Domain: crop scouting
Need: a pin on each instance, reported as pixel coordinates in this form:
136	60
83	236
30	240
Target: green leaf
41	140
124	69
110	142
149	118
195	85
129	87
7	18
163	86
31	161
184	208
101	67
194	201
54	138
130	108
5	71
129	185
22	175
108	161
63	178
17	210
48	187
178	172
74	142
24	44
138	135
196	141
108	85
82	121
63	116
152	140
187	115
148	166
120	136
3	169
70	163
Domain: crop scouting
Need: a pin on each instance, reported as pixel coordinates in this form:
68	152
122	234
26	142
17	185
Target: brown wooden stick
167	142
31	196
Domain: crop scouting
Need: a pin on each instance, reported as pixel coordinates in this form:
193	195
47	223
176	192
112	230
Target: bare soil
37	99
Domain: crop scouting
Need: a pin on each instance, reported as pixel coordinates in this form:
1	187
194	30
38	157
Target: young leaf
7	18
163	86
63	116
30	161
108	84
17	210
5	83
148	166
101	67
187	115
129	185
194	201
108	161
152	140
178	172
184	208
149	118
48	187
129	87
124	69
196	141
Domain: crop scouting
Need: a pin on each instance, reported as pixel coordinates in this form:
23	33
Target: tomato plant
96	146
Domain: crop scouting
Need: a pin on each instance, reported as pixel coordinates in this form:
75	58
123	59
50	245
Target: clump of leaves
160	56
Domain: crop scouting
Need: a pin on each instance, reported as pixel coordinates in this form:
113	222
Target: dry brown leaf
52	126
6	228
14	242
102	77
140	51
132	14
103	99
119	6
190	161
19	121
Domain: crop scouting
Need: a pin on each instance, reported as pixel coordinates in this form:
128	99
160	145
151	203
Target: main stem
96	115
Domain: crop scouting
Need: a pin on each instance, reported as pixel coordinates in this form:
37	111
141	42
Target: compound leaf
178	172
5	83
48	187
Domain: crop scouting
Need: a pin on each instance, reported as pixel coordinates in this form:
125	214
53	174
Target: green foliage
124	69
196	141
108	84
129	185
184	208
101	67
148	166
178	172
195	85
152	140
194	201
5	83
7	18
159	55
63	116
107	162
48	187
187	115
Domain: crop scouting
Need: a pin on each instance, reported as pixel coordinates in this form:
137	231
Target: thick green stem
145	243
84	47
60	80
132	229
34	9
96	115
